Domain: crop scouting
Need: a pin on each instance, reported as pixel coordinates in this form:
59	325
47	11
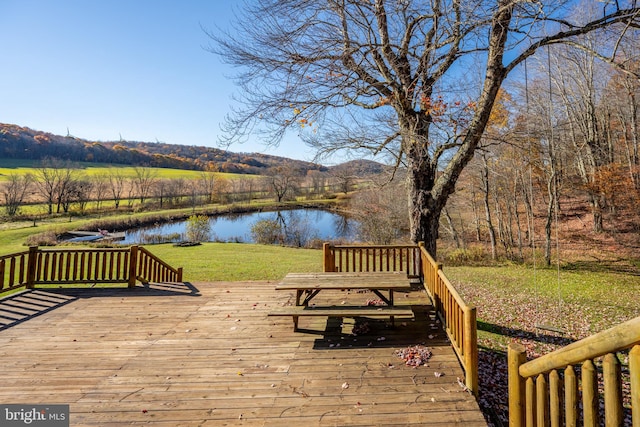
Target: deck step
342	311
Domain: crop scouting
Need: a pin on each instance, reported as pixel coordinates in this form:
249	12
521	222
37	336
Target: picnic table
308	285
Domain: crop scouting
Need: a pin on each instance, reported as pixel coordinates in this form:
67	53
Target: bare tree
143	181
626	110
381	213
345	179
47	183
207	184
15	191
222	187
160	191
116	186
174	190
68	178
54	180
79	192
100	190
283	182
575	77
452	229
318	181
390	77
486	191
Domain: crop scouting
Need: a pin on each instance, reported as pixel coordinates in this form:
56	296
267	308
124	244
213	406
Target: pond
308	223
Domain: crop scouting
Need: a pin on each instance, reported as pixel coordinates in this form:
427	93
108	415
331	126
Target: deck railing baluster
2	286
612	390
555	399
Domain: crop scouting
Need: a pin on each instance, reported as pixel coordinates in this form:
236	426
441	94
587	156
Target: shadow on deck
22	306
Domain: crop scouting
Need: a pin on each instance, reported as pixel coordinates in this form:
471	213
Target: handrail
150	268
458	318
536	391
83	265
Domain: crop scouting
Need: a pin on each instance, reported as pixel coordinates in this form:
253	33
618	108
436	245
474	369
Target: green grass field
21	167
211	262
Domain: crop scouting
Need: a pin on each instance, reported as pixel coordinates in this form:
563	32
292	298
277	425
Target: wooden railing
372	258
545	391
65	266
83	265
458	318
150	268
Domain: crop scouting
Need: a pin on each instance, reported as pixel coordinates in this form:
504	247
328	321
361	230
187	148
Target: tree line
61	187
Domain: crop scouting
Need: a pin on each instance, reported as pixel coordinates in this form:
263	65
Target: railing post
516	356
133	262
329	262
179	278
31	266
437	288
471	349
436	271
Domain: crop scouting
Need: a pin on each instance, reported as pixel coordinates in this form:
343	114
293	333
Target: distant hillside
24	143
360	168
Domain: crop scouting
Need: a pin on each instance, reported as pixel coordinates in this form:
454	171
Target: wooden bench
297	311
310	284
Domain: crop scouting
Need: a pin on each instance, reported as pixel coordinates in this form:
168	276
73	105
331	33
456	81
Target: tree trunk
476	217
487	210
552	190
596	208
452	228
424	213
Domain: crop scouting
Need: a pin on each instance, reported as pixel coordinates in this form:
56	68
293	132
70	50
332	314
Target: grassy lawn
518	303
211	262
519	298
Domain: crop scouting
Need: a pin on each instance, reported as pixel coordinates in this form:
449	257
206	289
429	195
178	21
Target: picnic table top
331	280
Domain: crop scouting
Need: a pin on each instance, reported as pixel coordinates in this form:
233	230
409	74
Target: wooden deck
206	354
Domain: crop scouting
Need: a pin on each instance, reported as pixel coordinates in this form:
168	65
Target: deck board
208	355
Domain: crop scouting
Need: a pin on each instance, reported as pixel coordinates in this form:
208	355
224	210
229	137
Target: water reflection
301	224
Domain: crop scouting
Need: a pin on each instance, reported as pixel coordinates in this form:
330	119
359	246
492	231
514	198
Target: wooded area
563	148
417	81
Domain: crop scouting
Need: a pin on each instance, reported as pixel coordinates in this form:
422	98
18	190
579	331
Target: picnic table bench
308	285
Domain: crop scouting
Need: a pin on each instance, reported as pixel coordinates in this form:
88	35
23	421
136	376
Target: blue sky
106	69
